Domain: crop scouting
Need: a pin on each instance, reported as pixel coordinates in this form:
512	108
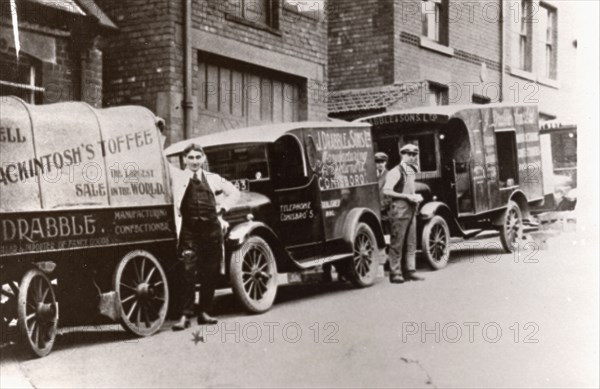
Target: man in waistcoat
400	187
200	226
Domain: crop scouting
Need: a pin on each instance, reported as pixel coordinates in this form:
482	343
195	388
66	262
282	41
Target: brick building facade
394	54
253	62
60	55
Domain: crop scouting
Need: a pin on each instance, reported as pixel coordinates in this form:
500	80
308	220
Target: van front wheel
253	275
435	242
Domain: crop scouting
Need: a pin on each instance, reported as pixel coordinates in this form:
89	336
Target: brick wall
139	60
75	76
144	62
361	44
473	34
62	79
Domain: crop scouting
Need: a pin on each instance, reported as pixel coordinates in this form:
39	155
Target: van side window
287	163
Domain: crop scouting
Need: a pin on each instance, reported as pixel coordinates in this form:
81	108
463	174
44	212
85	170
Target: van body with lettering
86	220
480	169
309	198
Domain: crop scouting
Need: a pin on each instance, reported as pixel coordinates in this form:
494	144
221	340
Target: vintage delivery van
310	198
480	169
86	219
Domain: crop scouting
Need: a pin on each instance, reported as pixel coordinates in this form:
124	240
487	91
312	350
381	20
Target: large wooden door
232	95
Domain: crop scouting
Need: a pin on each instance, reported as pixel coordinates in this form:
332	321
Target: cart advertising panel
82	189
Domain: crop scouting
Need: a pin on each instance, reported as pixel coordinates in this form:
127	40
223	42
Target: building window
21	79
261	12
547	42
564	150
437	94
522	21
434	20
479	99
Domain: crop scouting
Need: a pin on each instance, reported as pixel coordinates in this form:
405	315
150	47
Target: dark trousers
201	250
403	239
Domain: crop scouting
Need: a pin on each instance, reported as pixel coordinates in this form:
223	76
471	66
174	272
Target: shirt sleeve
231	194
391	179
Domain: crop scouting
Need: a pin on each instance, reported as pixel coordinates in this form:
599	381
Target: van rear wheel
253	275
511	231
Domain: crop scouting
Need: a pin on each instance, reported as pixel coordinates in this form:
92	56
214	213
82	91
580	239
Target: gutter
188	104
502	51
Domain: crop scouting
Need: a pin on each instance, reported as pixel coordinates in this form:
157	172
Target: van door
299	219
480	172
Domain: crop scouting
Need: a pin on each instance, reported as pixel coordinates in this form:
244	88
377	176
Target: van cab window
287	163
427	150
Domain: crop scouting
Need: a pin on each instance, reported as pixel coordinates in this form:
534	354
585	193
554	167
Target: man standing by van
381	159
400	186
200	225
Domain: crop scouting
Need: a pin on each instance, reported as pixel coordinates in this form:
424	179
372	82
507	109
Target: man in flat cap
201	198
381	160
400	187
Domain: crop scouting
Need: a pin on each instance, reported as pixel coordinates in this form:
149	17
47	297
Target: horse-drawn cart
86	220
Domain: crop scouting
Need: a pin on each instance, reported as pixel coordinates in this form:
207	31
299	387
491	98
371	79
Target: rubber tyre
362	267
435	242
511	231
253	275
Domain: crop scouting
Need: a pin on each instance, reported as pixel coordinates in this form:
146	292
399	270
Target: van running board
310	263
471	233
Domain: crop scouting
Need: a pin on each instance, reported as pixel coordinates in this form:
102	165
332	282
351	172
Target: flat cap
381	156
409	148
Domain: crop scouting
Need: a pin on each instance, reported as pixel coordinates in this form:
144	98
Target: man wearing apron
200	228
400	187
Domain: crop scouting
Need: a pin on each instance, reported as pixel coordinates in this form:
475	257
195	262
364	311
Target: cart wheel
511	231
362	271
253	275
9	293
37	312
143	293
435	243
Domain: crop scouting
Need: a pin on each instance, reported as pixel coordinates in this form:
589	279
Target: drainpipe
502	50
188	104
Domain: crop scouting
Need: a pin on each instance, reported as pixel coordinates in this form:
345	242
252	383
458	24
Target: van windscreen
239	162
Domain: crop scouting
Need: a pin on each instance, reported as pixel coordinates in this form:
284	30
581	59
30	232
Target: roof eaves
93	10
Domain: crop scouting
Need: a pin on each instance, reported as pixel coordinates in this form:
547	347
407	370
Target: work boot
396	279
413	277
205	318
182	324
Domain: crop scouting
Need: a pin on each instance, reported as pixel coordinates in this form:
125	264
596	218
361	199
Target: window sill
250	23
532	77
295	14
522	74
434	46
549	82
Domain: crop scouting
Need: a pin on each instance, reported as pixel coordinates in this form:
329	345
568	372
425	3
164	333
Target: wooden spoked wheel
37	312
143	293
